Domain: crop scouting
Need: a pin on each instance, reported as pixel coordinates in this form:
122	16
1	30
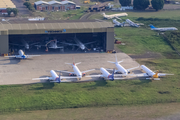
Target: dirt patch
171	7
147	55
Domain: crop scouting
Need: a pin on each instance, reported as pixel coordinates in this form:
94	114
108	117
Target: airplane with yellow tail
149	74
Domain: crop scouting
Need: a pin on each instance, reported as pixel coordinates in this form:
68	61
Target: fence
116	102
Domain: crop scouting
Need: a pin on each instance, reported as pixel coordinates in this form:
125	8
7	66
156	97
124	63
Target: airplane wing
89	43
30	56
68	43
15	44
139	75
120	75
118	78
118	18
68	77
94	76
65	71
63	81
87	71
10	56
110	69
57	47
132	68
164	74
45	78
78	63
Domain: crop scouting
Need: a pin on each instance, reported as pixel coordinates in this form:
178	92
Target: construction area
56	36
98	7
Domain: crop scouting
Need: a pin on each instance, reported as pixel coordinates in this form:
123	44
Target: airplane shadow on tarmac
46	84
12	61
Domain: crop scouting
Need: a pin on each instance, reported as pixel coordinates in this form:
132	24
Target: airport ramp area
15	71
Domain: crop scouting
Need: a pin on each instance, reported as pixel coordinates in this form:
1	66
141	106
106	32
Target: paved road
14	71
22	9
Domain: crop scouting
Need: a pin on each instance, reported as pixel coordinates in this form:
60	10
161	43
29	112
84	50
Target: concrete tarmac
16	71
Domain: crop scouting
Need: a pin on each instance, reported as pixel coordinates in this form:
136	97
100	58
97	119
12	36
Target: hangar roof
6	4
54	2
54	25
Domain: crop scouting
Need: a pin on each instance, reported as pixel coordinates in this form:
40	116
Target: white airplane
150	74
163	29
114	15
120	68
105	75
54	78
22	55
79	44
76	70
24	43
51	44
116	23
132	23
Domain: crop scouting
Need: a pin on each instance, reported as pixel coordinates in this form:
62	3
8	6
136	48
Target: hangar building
86	31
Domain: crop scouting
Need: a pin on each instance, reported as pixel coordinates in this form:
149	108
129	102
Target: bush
140	4
125	2
29	6
9	10
15	11
157	4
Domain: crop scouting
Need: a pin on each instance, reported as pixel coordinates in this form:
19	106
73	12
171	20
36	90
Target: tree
125	2
15	11
29	6
157	4
9	10
140	4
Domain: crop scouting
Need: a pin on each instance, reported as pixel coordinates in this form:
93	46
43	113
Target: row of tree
143	4
10	10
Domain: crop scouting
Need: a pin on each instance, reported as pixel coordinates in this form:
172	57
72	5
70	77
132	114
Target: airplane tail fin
151	26
116	58
156	74
58	80
111	77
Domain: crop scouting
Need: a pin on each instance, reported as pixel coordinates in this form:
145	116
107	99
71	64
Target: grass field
168	111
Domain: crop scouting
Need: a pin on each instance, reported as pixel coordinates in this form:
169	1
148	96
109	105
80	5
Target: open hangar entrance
39	42
100	35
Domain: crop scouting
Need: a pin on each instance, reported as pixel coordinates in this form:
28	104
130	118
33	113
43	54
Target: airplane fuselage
165	29
117	23
147	70
132	23
21	55
114	15
104	72
26	45
121	69
80	44
53	44
77	71
54	75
